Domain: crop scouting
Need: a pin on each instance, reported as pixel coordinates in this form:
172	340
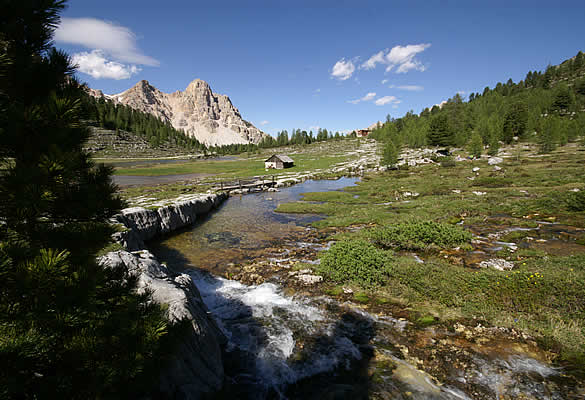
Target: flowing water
243	227
292	345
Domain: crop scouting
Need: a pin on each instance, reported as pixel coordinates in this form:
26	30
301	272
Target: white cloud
412	88
401	57
382	101
367	97
314	128
317	90
371	62
384	81
114	40
403	54
99	67
264	122
343	69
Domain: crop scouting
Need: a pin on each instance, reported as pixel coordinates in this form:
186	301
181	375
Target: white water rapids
266	330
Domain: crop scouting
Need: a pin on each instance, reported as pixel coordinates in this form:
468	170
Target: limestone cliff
209	117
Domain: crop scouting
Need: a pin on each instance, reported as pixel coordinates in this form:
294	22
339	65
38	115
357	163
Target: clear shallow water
242	226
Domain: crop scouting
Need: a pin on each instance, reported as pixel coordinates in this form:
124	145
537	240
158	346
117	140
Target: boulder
196	367
497	263
495	160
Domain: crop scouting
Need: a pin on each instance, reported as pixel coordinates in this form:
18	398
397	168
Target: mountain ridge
209	117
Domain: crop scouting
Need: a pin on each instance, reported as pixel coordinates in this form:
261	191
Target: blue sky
339	65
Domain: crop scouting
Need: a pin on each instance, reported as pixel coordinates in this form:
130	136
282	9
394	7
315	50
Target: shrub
448	163
576	201
419	236
355	261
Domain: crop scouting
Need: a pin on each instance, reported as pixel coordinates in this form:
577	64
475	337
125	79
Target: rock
495	160
475	169
309	279
497	168
209	117
144	224
497	263
478	193
196	368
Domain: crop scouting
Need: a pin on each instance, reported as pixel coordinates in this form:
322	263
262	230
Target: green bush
419	236
355	261
576	201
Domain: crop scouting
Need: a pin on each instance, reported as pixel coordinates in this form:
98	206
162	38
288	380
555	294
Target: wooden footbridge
255	183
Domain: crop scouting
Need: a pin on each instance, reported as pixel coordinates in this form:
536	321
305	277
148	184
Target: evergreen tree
476	145
440	133
68	327
563	99
515	122
494	145
548	134
390	155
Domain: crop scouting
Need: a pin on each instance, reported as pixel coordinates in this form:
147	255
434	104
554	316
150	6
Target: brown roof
282	158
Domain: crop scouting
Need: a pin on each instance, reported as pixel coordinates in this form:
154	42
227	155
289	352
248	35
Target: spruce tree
476	145
440	133
515	122
68	327
390	155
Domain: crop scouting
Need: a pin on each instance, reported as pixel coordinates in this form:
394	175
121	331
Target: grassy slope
310	158
543	296
232	168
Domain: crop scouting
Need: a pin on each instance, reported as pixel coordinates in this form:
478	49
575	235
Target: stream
285	344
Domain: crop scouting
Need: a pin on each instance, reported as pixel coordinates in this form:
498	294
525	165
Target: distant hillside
123	144
546	107
117	127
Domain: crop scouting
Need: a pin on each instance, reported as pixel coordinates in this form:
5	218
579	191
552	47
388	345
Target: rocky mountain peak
198	85
209	117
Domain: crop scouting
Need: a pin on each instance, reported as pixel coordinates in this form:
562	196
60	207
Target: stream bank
194	368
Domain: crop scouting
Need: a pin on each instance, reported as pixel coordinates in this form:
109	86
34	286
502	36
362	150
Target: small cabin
279	162
362	132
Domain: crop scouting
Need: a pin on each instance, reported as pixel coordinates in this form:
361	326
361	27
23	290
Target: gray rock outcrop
209	117
197	368
141	224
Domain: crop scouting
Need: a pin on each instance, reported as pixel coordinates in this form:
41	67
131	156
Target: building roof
282	158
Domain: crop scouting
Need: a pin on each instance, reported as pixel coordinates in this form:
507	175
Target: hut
278	162
362	132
